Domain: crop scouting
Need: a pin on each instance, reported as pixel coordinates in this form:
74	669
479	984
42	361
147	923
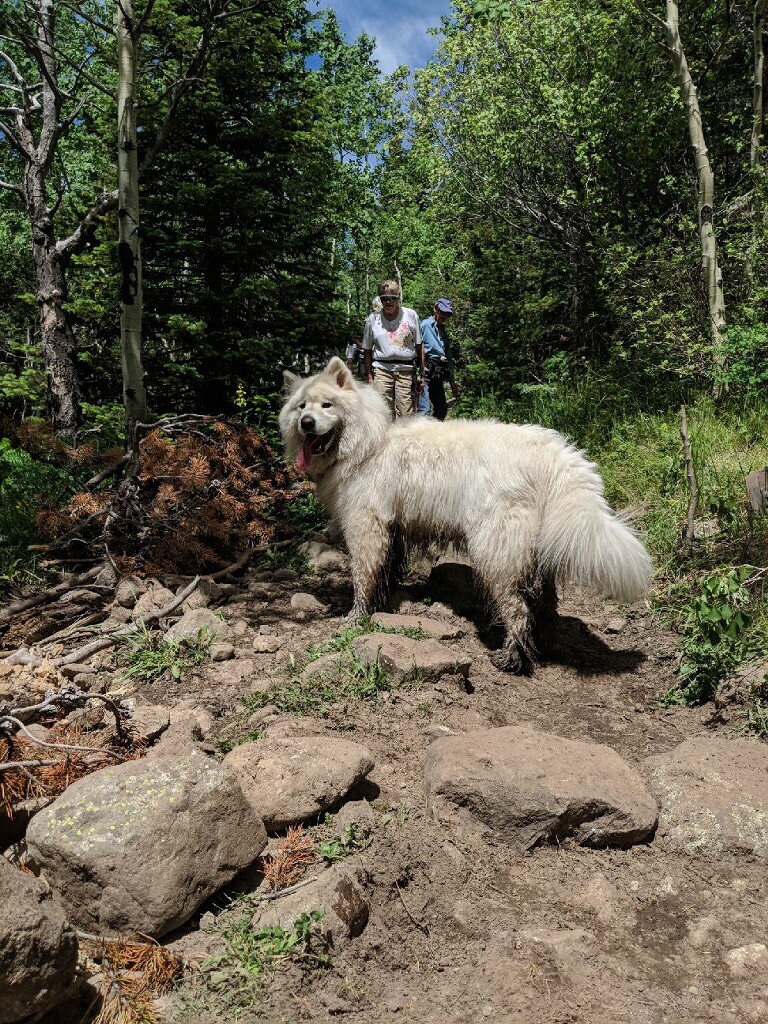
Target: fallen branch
288	888
25	657
422	927
105	474
48	595
20	727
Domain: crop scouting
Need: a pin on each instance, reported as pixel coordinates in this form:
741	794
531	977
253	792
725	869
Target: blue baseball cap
445	306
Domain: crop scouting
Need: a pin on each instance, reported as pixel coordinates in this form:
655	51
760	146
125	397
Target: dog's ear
340	373
290	382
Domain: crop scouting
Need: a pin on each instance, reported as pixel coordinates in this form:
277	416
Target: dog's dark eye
302	404
326	405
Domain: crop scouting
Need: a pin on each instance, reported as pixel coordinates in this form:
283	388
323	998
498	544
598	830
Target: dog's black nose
307	424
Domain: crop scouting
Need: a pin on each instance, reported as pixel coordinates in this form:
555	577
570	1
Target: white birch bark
129	226
705	177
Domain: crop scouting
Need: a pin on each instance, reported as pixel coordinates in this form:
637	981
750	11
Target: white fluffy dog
526	504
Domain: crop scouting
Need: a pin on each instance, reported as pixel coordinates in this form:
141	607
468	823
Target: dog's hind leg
369	542
502	551
541	595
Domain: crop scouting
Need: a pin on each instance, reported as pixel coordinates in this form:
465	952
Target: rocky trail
482	847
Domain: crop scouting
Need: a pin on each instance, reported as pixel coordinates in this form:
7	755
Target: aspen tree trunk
705	177
129	228
758	27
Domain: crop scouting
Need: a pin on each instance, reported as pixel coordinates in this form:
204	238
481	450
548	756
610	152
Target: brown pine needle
289	862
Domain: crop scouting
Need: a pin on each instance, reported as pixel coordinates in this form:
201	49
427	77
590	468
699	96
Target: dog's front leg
369	546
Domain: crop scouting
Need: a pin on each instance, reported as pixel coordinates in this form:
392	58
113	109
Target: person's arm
368	359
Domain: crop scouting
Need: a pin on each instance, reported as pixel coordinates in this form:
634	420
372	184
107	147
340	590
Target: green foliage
289	557
343	640
353	839
351	681
26	484
249	952
148	654
306	513
713	636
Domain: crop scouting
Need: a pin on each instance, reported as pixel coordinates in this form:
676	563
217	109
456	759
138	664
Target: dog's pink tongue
304	457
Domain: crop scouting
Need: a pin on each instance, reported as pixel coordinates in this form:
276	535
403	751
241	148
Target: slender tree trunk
758	26
706	187
129	227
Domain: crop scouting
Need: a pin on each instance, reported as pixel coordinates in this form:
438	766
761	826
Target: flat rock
291	780
714	796
338	893
140	845
191	624
222	651
324	667
403	656
302	602
434	628
266	644
149	721
530	787
38	947
231	673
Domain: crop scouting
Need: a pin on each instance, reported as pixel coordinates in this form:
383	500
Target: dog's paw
512	660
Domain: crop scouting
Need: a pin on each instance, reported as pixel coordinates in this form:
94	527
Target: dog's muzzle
314	444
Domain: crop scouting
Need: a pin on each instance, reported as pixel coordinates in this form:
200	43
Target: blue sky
399	27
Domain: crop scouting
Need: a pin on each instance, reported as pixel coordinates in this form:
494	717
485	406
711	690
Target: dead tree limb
48	595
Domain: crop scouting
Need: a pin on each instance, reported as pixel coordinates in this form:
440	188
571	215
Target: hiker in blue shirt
438	359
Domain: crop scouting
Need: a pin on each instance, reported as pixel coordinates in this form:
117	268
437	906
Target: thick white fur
528	505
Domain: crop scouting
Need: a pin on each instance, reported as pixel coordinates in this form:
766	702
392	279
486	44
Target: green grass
147	655
224	746
351	681
343	641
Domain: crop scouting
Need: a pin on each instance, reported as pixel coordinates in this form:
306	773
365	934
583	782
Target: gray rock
190	725
291	780
149	721
129	590
323	557
324	667
206	592
354	812
530	787
338	893
714	796
153	600
140	845
38	948
231	673
301	602
434	628
266	644
402	656
748	961
222	652
192	622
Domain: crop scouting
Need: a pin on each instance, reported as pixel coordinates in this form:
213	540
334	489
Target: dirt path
461	929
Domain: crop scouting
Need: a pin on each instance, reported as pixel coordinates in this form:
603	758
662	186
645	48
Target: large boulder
139	846
435	629
295	779
38	948
531	787
714	796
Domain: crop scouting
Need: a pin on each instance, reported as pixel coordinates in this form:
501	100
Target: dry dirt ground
461	929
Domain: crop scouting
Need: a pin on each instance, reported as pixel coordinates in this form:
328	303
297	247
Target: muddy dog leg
541	594
502	551
369	541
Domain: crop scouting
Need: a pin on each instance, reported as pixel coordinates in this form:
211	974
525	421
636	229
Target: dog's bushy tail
584	542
